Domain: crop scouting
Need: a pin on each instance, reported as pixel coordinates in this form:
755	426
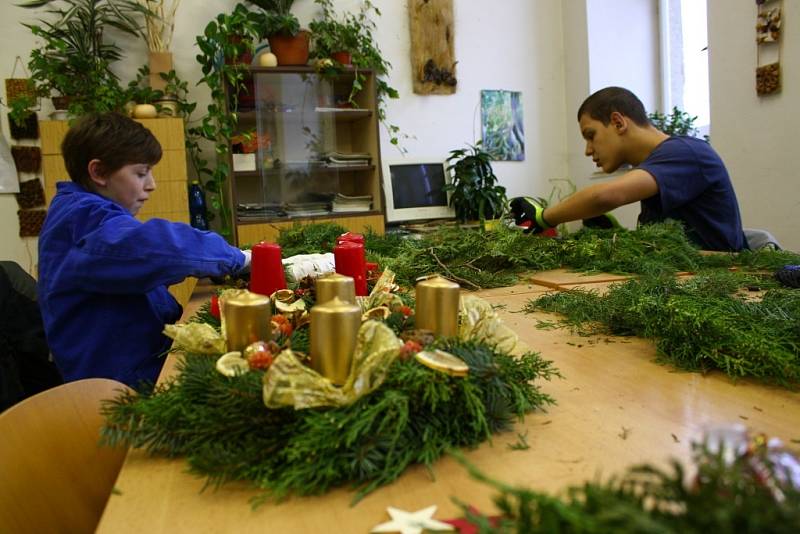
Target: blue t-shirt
694	188
103	278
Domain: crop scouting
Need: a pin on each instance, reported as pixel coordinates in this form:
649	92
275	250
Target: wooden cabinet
309	155
168	201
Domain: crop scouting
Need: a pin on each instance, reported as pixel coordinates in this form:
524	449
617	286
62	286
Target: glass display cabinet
305	152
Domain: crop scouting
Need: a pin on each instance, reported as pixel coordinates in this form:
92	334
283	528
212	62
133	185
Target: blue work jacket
103	278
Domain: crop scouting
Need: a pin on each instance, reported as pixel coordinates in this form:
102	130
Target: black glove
605	221
526	209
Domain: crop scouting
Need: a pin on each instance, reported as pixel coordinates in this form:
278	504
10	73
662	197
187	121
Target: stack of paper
339	159
344	203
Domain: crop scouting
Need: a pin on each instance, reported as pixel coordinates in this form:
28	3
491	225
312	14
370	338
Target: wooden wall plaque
433	63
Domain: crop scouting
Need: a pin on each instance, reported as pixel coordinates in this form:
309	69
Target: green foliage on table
309	238
475	194
76	54
221	426
698	324
477	259
722	496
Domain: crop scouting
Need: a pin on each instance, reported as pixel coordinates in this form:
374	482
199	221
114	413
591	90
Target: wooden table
616	407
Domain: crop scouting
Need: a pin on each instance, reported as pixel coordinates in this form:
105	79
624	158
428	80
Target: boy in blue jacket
103	275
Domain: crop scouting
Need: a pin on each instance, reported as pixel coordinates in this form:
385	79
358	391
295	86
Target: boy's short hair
603	103
112	138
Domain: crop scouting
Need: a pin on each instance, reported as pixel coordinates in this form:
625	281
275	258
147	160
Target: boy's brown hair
112	138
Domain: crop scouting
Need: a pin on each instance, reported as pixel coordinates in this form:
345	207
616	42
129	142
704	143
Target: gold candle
335	285
437	306
247	319
334	329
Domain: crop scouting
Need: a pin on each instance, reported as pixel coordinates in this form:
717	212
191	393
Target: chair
757	239
55	475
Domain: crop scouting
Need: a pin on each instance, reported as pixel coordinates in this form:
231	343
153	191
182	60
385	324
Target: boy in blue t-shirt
679	178
103	275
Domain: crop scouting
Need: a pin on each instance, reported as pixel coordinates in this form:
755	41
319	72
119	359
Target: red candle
350	237
266	269
350	261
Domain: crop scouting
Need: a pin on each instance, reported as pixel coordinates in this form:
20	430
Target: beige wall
755	135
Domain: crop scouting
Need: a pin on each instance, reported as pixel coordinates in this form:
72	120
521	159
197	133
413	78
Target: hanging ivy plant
224	40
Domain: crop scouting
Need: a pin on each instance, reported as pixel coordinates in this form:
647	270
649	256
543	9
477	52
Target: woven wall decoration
31	222
768	46
19	87
31	194
29	129
27	158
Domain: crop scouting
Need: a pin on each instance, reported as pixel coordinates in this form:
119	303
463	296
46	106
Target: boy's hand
528	210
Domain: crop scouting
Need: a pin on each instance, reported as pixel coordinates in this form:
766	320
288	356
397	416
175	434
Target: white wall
755	135
517	47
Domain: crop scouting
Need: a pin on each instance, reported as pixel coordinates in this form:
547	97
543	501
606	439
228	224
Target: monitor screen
414	190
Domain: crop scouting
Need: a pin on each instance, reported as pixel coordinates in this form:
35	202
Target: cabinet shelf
314	170
330	215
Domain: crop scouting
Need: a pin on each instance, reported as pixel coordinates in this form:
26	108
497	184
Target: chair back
55	475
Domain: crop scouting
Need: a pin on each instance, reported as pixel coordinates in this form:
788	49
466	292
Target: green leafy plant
329	35
75	58
676	123
474	192
278	17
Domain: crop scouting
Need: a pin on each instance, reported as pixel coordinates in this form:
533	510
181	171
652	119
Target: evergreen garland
698	324
221	426
477	259
721	498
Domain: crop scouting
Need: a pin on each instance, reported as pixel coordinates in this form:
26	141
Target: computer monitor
413	190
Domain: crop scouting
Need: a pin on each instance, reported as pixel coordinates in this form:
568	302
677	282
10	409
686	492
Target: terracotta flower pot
342	57
290	49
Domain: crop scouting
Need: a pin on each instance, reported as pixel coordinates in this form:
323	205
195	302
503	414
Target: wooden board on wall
431	25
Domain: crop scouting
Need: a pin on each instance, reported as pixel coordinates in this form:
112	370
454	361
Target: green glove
529	210
605	221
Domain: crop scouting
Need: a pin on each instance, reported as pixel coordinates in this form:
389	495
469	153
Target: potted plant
286	40
75	60
474	193
335	39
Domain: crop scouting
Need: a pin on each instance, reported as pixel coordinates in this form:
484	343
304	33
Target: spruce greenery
722	498
701	323
221	426
497	258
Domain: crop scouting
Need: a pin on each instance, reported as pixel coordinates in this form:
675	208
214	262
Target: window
684	59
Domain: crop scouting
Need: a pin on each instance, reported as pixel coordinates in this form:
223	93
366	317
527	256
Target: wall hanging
27	158
501	125
31	194
768	46
17	88
30	222
433	63
28	129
